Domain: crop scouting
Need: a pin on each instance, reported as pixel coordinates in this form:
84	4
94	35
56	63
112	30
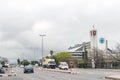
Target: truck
49	63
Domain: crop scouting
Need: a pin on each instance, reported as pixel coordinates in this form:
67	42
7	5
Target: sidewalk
8	72
114	77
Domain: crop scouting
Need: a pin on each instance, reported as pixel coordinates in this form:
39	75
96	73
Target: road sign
71	63
102	40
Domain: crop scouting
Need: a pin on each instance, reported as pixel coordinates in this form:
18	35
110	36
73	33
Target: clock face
93	33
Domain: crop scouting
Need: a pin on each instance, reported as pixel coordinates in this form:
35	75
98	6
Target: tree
85	54
47	57
85	57
25	62
99	59
63	57
3	63
51	52
34	62
51	55
18	61
118	51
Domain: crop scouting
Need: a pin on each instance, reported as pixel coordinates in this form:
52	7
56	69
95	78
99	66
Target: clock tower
93	45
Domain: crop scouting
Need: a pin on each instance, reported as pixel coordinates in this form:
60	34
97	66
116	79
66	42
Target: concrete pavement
80	74
74	71
113	77
11	78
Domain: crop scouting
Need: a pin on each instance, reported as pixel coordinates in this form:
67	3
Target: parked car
36	65
28	68
21	66
2	70
63	66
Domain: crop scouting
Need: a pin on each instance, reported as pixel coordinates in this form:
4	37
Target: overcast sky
65	23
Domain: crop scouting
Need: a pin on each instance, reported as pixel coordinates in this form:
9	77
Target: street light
42	48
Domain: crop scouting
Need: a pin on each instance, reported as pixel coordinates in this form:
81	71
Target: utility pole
42	48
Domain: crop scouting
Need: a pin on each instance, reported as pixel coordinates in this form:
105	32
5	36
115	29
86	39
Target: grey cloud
65	23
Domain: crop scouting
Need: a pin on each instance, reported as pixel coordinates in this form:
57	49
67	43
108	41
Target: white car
21	66
63	66
36	65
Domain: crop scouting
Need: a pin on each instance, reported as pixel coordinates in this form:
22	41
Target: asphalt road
83	74
11	78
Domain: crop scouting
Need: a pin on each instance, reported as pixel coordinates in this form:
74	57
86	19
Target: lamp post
42	48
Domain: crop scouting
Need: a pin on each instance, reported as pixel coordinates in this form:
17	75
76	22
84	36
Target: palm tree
51	52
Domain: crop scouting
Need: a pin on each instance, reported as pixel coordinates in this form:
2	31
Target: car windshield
28	66
65	65
52	62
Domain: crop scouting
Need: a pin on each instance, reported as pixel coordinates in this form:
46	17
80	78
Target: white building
91	47
78	49
93	42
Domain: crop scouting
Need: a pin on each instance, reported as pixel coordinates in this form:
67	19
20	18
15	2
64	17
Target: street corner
113	77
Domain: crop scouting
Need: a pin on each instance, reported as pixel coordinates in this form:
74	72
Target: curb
6	75
12	73
3	75
61	71
113	77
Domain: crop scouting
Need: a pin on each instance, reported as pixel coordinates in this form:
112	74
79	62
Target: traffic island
6	75
62	71
3	75
113	77
54	70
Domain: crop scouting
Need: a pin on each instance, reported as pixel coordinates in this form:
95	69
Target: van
63	66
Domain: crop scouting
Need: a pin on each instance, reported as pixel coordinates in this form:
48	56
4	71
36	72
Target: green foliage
51	55
34	62
18	61
47	57
56	60
60	57
51	52
85	59
85	56
25	62
3	63
63	56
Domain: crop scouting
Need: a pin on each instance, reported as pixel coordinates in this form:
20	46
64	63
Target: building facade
77	50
